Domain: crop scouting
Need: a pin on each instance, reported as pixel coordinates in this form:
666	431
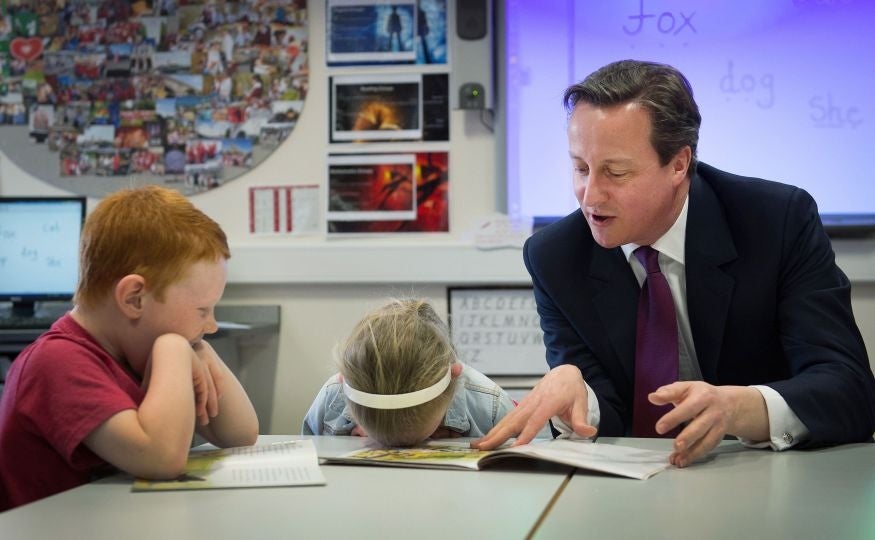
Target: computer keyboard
36	322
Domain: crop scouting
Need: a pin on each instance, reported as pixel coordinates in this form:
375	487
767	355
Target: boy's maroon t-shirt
58	390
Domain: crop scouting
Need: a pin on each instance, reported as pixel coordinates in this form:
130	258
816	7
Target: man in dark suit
767	346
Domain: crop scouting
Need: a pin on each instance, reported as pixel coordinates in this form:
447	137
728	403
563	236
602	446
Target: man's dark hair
661	89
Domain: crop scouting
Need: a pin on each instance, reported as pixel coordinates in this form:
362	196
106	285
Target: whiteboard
496	330
780	85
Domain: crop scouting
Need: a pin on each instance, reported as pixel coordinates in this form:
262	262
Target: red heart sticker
26	49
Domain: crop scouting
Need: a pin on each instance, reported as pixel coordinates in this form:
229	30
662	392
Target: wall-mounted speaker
472	19
472	73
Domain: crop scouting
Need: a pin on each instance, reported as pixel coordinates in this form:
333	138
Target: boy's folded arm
236	423
153	441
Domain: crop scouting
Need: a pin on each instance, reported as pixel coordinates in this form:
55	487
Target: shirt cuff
593	417
785	428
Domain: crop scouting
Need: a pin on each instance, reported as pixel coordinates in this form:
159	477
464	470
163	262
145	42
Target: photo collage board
187	93
389	88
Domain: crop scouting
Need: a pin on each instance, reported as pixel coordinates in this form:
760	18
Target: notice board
496	330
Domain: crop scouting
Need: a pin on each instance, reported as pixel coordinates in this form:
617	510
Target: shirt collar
672	242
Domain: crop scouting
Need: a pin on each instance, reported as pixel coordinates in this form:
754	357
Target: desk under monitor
14	340
247	340
16	333
736	493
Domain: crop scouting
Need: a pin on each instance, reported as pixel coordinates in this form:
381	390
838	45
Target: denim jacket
477	405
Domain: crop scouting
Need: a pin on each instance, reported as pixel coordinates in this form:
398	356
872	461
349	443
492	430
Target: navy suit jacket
766	302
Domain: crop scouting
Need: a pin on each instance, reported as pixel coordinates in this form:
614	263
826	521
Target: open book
584	454
287	463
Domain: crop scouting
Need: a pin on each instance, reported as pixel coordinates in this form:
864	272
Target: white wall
315	281
315	316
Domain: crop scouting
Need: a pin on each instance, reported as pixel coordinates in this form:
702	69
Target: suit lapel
709	247
615	296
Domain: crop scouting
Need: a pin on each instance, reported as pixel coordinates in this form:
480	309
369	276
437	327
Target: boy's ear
129	293
455	370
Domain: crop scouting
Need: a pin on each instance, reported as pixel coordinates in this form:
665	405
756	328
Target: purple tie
656	345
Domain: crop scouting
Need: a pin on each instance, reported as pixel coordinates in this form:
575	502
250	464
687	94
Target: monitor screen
784	88
39	249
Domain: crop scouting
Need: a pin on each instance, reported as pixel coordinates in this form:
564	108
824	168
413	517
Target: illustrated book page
607	458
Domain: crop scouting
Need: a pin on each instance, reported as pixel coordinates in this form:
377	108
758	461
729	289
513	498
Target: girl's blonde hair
399	348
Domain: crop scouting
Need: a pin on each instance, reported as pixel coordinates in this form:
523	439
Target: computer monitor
39	250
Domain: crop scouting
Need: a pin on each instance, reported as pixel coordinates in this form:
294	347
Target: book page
585	454
287	463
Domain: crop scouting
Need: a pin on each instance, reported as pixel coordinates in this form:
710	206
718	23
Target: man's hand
208	382
710	412
561	392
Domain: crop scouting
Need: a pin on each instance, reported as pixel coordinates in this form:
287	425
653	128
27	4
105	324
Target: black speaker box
472	19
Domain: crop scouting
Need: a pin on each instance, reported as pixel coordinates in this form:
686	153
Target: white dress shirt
785	428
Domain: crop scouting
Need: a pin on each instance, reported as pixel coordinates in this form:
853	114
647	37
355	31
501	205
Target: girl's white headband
398	401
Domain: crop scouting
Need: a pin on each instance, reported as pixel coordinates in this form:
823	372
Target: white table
357	502
734	493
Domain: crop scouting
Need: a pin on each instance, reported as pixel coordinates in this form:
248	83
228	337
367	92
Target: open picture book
287	463
584	454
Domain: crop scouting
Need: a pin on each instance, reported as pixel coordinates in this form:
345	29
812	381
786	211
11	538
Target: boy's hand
208	381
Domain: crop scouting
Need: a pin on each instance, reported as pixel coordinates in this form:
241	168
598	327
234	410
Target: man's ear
129	293
681	163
